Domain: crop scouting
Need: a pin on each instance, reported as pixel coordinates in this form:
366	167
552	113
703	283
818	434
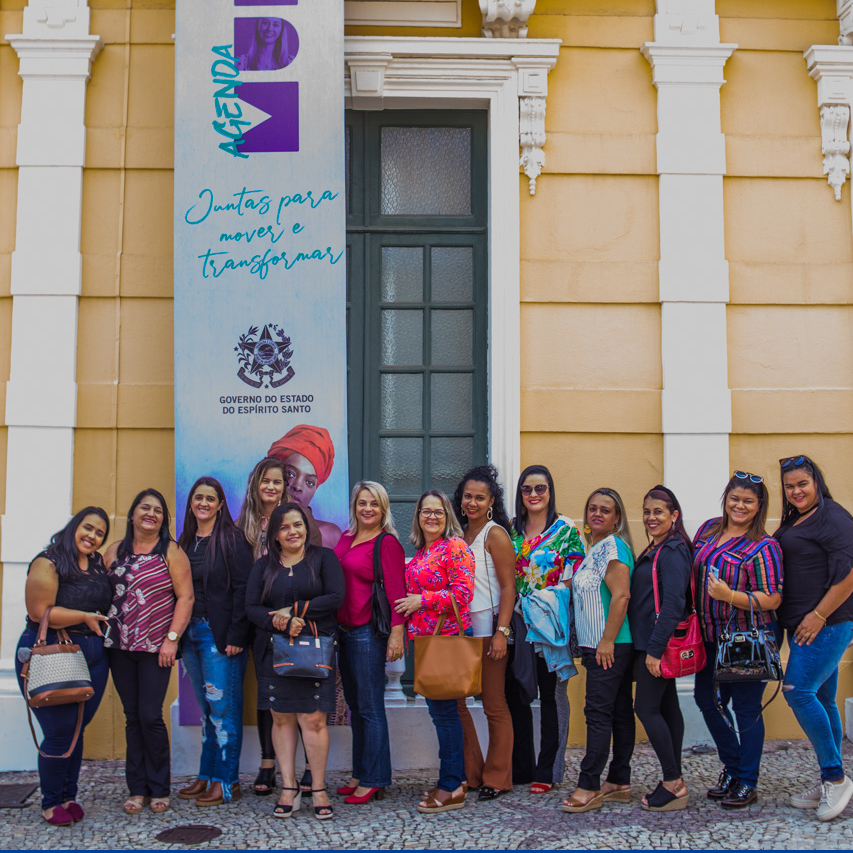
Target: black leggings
656	706
265	736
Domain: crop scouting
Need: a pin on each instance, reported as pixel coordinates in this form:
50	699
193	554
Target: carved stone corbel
367	80
506	18
834	121
531	114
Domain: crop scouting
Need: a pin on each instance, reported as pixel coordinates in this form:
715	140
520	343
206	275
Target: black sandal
662	800
321	812
489	793
265	781
284	810
305	782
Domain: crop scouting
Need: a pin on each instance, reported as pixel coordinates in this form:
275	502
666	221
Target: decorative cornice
687	64
506	18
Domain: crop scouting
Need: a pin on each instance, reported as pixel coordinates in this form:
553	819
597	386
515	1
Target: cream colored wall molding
831	66
491	74
56	52
687	62
506	18
403	13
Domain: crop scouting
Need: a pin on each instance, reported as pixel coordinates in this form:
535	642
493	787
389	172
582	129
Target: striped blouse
143	603
744	565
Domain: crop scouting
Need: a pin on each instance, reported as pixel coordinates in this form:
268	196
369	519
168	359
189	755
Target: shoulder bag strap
378	577
77	729
41	638
655	583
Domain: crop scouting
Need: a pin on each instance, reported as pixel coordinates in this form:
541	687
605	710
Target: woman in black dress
295	577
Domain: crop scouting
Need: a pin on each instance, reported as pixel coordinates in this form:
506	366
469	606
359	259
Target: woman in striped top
152	604
733	554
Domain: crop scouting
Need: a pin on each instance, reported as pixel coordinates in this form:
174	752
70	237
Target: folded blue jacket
547	613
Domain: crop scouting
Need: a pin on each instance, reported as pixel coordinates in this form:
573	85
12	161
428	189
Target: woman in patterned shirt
547	548
440	573
733	554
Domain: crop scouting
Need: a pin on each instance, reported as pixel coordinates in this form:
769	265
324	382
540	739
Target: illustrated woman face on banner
308	455
264	44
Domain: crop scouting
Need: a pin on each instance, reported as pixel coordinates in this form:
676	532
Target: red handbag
685	652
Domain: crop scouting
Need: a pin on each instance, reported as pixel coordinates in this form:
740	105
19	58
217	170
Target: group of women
537	594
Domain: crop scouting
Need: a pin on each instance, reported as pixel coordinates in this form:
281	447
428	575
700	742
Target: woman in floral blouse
547	548
440	574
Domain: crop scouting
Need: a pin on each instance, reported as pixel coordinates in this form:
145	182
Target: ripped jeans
217	681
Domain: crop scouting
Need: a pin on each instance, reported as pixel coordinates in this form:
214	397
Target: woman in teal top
600	592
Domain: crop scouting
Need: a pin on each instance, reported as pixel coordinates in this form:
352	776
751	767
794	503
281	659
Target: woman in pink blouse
362	649
441	571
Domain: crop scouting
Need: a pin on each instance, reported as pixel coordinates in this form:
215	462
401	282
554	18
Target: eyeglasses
745	475
539	488
432	513
792	460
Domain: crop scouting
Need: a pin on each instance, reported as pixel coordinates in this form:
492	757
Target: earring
464	514
489	514
587	529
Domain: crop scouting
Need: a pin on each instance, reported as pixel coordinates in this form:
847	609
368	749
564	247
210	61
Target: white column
56	53
687	61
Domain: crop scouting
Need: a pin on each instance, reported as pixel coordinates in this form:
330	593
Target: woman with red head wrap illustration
308	455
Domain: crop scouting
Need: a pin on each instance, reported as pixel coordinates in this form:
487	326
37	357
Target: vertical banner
260	264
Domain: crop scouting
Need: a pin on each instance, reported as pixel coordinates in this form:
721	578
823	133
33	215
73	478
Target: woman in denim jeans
816	535
215	644
70	577
362	652
440	573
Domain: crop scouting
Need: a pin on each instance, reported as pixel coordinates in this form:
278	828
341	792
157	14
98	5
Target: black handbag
746	655
380	608
307	655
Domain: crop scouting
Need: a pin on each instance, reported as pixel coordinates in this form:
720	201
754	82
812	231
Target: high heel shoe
285	810
325	812
265	781
379	793
305	782
346	790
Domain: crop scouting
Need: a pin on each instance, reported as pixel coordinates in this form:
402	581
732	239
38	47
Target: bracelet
732	602
819	616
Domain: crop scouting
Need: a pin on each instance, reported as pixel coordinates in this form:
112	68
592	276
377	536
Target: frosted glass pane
402	337
402	274
402	401
453	274
402	512
451	458
426	171
400	464
452	401
452	338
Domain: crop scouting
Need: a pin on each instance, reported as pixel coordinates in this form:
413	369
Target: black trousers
141	684
525	767
609	711
656	704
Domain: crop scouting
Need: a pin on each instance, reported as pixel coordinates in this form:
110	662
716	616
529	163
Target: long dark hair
756	531
520	520
273	565
125	547
789	511
488	476
668	498
225	533
63	551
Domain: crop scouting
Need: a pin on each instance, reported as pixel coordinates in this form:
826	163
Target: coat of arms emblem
264	358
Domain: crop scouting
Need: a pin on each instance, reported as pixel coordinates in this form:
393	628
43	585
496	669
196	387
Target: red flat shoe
379	793
540	788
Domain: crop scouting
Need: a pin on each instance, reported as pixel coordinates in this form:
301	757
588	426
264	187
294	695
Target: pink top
358	574
442	570
143	603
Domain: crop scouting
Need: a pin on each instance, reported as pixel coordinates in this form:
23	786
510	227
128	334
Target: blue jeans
58	776
740	754
217	681
448	727
361	656
813	675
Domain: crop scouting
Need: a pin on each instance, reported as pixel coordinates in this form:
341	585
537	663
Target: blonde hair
249	520
451	525
381	496
621	530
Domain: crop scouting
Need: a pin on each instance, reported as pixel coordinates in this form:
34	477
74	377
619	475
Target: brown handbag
56	675
448	666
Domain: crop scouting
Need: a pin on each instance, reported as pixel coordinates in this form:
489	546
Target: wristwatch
504	631
173	636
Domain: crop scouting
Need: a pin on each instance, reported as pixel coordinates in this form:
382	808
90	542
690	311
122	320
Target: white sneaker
807	799
834	799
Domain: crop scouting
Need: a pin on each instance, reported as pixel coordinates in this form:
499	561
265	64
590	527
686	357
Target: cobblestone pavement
518	821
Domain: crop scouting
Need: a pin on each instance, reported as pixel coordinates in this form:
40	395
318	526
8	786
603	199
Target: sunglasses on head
792	460
745	475
539	488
